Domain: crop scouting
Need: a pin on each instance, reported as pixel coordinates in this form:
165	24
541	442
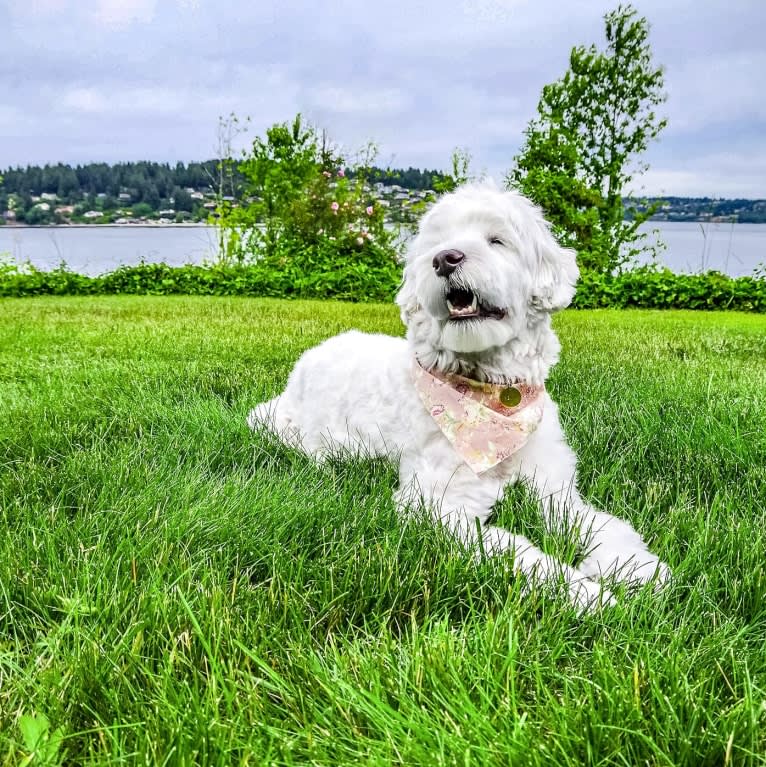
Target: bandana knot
485	423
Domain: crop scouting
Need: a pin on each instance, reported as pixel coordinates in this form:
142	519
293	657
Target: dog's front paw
634	568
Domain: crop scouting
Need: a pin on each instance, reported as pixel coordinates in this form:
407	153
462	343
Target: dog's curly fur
356	390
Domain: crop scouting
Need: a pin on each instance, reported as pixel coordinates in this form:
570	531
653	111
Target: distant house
43	206
124	197
101	195
49	196
64	210
92	214
168	212
196	195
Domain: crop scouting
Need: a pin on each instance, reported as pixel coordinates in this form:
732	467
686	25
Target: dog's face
482	266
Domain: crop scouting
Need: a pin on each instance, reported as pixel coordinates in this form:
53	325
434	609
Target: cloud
709	90
723	174
365	100
120	100
131	79
120	13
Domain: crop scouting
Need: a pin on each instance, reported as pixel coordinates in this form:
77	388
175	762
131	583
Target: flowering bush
306	206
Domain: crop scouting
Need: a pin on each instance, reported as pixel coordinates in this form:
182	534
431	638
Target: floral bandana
486	423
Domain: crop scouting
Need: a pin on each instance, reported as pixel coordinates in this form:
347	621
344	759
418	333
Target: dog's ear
557	272
406	299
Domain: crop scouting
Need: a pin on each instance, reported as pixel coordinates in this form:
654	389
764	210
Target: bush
368	274
649	287
302	199
365	276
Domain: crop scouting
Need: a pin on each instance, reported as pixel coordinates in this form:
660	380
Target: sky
119	80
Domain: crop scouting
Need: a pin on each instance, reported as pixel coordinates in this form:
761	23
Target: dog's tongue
462	303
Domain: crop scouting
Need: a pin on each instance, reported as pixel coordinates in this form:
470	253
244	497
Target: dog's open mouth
463	304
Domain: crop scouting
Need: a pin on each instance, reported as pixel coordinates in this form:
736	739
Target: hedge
645	287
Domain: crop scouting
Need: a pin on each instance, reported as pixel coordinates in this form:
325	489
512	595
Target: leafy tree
461	172
297	193
581	151
142	209
182	200
37	215
306	218
151	196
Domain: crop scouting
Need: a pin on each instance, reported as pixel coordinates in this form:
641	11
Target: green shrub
650	287
303	202
368	274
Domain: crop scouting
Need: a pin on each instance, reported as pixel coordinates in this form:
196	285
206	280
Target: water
735	249
94	250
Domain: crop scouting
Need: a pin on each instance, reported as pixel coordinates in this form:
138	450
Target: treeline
146	181
411	178
704	208
103	193
146	188
143	180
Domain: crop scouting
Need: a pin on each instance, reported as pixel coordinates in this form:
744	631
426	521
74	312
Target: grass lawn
176	590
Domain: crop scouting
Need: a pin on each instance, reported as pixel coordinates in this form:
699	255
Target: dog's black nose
446	261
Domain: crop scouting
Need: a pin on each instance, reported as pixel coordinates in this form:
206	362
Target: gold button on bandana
510	397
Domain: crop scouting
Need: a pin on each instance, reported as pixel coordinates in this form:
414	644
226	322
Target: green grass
176	590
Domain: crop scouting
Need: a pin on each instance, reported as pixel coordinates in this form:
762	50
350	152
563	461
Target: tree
182	200
581	151
307	217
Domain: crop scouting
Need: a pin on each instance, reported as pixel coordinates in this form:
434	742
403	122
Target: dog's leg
613	548
274	416
265	415
464	504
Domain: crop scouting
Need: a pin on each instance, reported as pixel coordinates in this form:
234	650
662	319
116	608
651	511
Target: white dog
461	402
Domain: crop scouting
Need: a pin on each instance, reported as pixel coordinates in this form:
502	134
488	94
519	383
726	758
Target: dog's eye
495	241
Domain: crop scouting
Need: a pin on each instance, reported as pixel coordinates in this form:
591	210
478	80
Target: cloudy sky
110	80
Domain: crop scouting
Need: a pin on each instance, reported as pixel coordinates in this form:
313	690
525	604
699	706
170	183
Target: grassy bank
176	590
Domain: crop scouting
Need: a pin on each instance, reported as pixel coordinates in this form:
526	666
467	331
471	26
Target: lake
735	249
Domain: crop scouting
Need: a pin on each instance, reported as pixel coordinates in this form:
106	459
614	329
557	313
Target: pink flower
326	173
341	173
334	206
437	409
369	209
